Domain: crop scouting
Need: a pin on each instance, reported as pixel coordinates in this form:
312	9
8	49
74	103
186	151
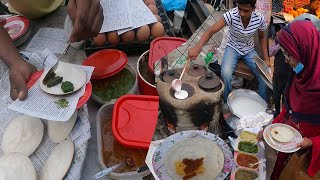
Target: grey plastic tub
105	113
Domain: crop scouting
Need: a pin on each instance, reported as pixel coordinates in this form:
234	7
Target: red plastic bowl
144	86
162	46
17	26
106	63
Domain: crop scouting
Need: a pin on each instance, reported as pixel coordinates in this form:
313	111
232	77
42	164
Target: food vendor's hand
19	74
87	18
260	136
194	52
267	61
305	143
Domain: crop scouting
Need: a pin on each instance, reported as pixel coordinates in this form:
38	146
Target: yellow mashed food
248	136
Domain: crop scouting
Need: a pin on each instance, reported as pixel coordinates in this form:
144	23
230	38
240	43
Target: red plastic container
107	63
144	86
162	46
134	119
17	26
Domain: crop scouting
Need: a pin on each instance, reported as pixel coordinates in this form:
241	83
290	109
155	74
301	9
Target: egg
100	40
147	2
157	30
128	36
158	17
113	37
143	33
153	8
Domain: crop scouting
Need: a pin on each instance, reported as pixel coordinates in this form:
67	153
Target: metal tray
246	93
265	72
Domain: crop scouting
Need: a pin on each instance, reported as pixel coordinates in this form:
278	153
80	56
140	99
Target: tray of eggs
137	40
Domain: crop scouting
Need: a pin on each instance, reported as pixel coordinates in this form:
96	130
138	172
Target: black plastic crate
134	47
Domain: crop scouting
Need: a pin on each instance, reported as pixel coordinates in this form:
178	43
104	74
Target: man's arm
194	52
210	32
19	70
8	52
264	46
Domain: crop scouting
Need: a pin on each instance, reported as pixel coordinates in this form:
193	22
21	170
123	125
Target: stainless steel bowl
246	94
133	90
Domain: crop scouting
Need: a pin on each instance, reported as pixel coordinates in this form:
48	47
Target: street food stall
130	105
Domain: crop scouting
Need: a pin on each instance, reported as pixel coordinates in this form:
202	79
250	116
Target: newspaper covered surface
42	105
52	38
79	135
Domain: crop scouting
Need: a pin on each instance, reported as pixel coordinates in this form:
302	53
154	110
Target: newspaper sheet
116	15
140	15
79	135
42	105
52	38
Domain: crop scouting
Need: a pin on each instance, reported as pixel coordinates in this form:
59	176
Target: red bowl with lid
146	87
107	63
134	120
162	46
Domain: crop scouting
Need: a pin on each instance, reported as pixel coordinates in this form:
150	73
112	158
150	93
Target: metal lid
170	75
210	82
196	70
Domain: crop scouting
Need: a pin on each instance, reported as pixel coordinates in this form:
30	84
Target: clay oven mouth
169	76
196	70
185	87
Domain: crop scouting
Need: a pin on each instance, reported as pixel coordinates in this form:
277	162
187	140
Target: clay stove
201	109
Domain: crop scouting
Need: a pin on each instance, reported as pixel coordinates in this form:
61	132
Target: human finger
97	24
72	9
22	89
92	11
13	93
78	25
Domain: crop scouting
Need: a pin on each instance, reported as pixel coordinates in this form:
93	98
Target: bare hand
194	52
267	61
305	143
260	136
19	75
87	18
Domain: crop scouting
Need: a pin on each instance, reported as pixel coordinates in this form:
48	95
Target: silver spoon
261	161
106	171
127	161
54	67
254	144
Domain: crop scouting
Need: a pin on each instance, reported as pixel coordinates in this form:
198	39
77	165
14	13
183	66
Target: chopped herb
248	147
54	81
114	86
62	103
67	86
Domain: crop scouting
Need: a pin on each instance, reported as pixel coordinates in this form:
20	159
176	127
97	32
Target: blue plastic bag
171	5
